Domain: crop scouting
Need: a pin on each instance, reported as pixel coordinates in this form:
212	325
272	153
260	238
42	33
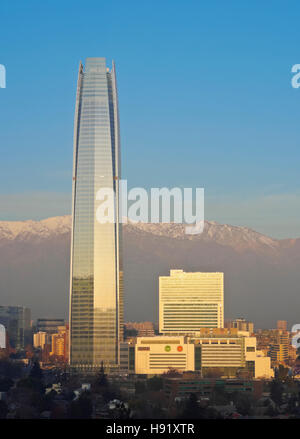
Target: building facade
17	323
50	326
221	352
282	324
60	343
96	284
40	339
240	324
141	329
157	355
190	301
187	383
279	347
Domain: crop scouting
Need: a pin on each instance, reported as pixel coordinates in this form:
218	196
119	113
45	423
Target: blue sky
205	101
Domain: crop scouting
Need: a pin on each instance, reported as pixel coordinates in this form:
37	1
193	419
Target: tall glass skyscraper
96	290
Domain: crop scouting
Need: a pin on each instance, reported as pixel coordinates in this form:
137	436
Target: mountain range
262	276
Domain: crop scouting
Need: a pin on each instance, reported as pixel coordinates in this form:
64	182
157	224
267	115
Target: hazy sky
205	101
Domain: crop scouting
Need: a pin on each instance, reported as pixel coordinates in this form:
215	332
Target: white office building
190	301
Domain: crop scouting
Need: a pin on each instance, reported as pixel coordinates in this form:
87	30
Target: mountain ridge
238	237
262	275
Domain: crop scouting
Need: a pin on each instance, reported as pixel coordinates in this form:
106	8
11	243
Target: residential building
279	348
240	324
60	343
282	324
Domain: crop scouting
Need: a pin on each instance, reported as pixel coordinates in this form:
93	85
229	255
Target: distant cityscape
233	369
48	340
212	348
193	364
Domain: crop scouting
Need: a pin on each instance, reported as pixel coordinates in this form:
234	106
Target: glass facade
17	323
96	302
49	325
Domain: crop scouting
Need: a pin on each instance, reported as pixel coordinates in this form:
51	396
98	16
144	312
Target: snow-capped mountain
26	230
262	275
239	238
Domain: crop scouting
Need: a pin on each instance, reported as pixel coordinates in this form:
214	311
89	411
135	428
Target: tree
58	412
101	379
281	372
172	373
243	402
36	371
140	387
219	395
31	383
130	333
155	383
82	408
6	384
10	369
29	351
34	381
68	394
276	390
212	372
3	410
191	409
271	411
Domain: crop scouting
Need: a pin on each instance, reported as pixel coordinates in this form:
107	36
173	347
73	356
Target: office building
157	355
185	384
40	339
17	322
96	283
60	343
279	347
126	353
228	352
190	301
50	326
279	354
191	320
225	352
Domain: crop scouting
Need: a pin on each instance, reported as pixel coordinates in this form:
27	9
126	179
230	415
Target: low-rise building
142	329
212	351
188	383
60	343
240	324
40	339
157	355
